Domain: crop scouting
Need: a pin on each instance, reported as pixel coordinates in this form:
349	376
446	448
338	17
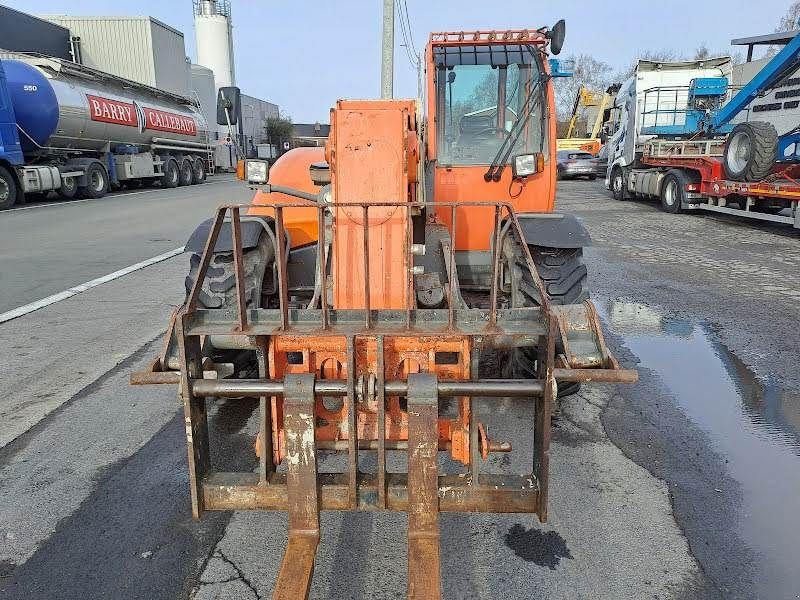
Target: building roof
783	37
310	130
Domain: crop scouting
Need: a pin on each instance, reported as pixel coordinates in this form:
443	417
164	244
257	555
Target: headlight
256	171
528	164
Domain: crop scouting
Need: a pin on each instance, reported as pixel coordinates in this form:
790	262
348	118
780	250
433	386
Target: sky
305	54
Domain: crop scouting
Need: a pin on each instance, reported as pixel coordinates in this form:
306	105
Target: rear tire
198	171
751	150
171	177
186	172
673	192
9	192
96	182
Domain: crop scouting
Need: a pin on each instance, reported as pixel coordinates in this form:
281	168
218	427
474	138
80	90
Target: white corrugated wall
137	48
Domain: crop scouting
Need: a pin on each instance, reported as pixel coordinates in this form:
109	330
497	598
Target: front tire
218	291
564	276
751	150
9	192
618	184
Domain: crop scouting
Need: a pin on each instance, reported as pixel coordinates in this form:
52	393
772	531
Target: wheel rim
739	150
618	183
175	175
187	171
97	181
68	184
5	190
670	193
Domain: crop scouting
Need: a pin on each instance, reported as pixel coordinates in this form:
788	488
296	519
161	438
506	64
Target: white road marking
74	291
113	195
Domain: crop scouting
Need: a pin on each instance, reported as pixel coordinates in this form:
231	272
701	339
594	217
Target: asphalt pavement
679	487
48	247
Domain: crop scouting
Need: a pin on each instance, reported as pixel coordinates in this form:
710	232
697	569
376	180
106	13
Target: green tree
279	130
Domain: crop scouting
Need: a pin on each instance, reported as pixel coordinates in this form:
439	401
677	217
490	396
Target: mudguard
252	228
554	230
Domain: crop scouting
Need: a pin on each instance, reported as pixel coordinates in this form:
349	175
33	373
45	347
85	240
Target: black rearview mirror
228	105
451	77
556	36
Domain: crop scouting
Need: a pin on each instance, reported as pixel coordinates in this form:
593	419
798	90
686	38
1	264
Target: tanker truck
78	131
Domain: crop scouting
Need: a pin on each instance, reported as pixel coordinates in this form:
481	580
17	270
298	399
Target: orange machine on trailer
365	285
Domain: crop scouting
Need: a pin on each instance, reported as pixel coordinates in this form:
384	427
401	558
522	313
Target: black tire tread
764	147
14	196
564	276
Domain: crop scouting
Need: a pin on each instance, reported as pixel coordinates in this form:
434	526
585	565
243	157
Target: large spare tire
750	151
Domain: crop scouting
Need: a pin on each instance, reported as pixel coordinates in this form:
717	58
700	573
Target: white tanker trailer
78	131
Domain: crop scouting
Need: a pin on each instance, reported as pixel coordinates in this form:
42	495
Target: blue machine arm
786	61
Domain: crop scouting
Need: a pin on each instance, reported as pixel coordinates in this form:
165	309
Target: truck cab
10	148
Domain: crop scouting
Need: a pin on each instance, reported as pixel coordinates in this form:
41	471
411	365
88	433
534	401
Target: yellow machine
586	99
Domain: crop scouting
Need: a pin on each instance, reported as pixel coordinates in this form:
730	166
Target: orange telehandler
364	285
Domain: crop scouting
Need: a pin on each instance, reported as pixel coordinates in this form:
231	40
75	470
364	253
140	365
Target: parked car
572	163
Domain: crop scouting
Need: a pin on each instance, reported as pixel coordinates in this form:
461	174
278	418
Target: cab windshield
482	92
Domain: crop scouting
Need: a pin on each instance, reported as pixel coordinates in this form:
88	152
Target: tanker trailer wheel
750	151
96	182
69	187
198	171
186	172
171	177
564	276
8	189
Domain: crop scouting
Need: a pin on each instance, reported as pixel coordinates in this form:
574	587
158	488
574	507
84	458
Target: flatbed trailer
688	175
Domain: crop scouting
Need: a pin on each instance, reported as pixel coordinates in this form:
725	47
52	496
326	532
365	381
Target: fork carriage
350	380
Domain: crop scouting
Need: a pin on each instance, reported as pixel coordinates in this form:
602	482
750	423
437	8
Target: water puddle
750	421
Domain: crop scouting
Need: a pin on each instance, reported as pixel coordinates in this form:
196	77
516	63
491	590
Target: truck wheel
673	192
96	182
564	276
171	177
186	172
618	184
750	151
8	189
198	171
69	187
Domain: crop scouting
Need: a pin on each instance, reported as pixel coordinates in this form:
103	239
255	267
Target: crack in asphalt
239	574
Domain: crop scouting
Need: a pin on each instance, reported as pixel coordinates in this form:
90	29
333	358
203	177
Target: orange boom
369	293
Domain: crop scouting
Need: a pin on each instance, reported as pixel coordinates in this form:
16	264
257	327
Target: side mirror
556	36
228	105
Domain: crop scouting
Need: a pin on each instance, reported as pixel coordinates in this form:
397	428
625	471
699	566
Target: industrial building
310	134
141	49
21	32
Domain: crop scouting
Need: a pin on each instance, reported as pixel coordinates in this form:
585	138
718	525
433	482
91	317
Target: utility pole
387	51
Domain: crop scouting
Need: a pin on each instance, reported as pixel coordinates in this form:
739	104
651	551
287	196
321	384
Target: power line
408	37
